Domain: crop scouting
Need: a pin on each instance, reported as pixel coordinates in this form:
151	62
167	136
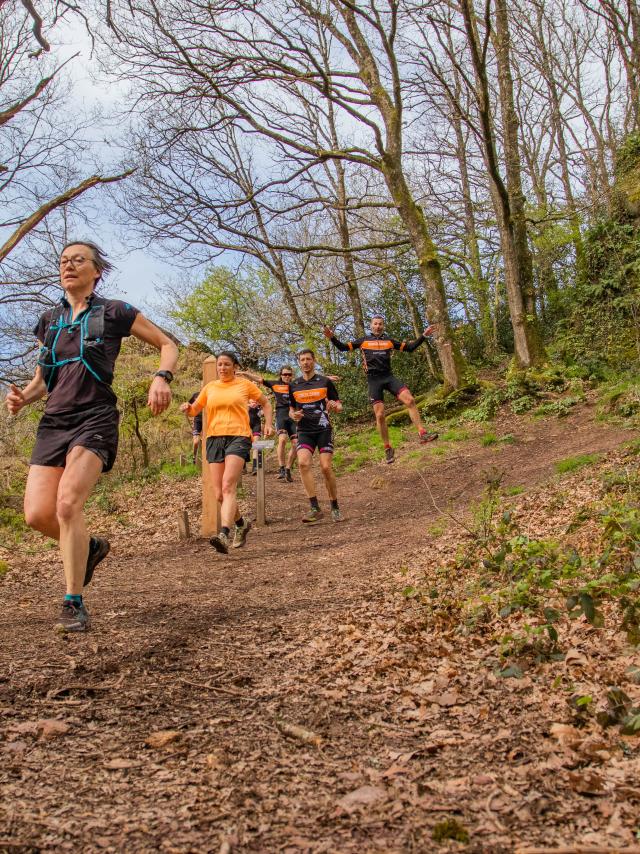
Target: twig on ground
445	512
299	733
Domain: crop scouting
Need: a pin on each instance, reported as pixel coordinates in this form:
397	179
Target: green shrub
488	439
574	463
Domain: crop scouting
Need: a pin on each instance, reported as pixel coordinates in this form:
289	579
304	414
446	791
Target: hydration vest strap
91	327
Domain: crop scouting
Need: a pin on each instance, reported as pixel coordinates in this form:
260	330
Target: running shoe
254	469
98	550
282	475
336	515
427	437
73	618
287	476
220	543
240	534
312	516
389	455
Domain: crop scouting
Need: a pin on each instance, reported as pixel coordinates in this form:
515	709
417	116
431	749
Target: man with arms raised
312	398
376	350
77	436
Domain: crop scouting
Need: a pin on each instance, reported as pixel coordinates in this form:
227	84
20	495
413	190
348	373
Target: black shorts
219	447
323	441
254	422
384	382
95	429
284	424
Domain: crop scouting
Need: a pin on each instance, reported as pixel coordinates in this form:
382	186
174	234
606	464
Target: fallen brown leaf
161	738
51	728
364	796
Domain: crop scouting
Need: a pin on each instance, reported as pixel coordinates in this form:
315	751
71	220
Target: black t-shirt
74	387
280	391
311	396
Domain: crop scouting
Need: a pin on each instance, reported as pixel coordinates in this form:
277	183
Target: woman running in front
228	445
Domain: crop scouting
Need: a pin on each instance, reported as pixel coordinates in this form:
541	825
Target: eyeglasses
76	261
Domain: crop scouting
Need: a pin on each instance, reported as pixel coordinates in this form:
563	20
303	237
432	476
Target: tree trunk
481	286
511	129
144	445
416	322
345	242
451	359
526	335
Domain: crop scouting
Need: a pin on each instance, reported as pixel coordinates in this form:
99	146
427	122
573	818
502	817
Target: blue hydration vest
90	324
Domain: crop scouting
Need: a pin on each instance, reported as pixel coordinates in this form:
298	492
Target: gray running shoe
240	534
281	474
389	455
336	515
427	437
312	516
287	476
220	543
98	550
73	618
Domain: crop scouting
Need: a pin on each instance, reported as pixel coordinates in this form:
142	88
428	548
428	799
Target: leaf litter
280	701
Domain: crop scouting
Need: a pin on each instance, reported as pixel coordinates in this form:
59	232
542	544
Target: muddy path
221	655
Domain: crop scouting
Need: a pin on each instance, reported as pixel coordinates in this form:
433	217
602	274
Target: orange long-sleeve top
225	405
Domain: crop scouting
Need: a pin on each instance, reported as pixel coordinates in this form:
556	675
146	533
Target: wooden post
184	531
260	491
210	508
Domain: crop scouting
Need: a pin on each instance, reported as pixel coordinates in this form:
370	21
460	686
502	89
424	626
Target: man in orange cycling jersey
376	350
312	398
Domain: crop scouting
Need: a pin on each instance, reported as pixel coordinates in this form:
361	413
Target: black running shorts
284	424
219	447
95	429
381	383
323	441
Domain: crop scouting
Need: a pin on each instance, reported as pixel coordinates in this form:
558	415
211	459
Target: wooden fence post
210	524
184	531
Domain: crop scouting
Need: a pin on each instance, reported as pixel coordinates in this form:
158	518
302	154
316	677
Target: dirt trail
219	652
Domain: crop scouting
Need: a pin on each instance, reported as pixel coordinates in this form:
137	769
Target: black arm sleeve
293	403
410	346
350	345
332	391
268	383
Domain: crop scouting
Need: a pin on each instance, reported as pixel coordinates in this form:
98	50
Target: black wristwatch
166	375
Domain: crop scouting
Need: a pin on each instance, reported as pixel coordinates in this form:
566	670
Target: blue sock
74	598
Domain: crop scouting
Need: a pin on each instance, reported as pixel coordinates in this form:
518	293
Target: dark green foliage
450	828
600	329
628	155
503	572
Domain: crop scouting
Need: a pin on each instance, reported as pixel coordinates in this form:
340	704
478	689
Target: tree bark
526	334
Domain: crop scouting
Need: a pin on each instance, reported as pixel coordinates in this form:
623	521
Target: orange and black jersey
312	396
280	391
377	349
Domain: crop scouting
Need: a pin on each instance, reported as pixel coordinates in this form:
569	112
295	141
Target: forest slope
414	735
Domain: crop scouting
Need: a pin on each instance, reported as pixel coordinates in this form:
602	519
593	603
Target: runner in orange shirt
228	441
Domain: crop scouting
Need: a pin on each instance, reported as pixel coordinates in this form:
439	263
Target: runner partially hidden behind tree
228	441
196	430
312	398
77	437
255	423
376	350
285	425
